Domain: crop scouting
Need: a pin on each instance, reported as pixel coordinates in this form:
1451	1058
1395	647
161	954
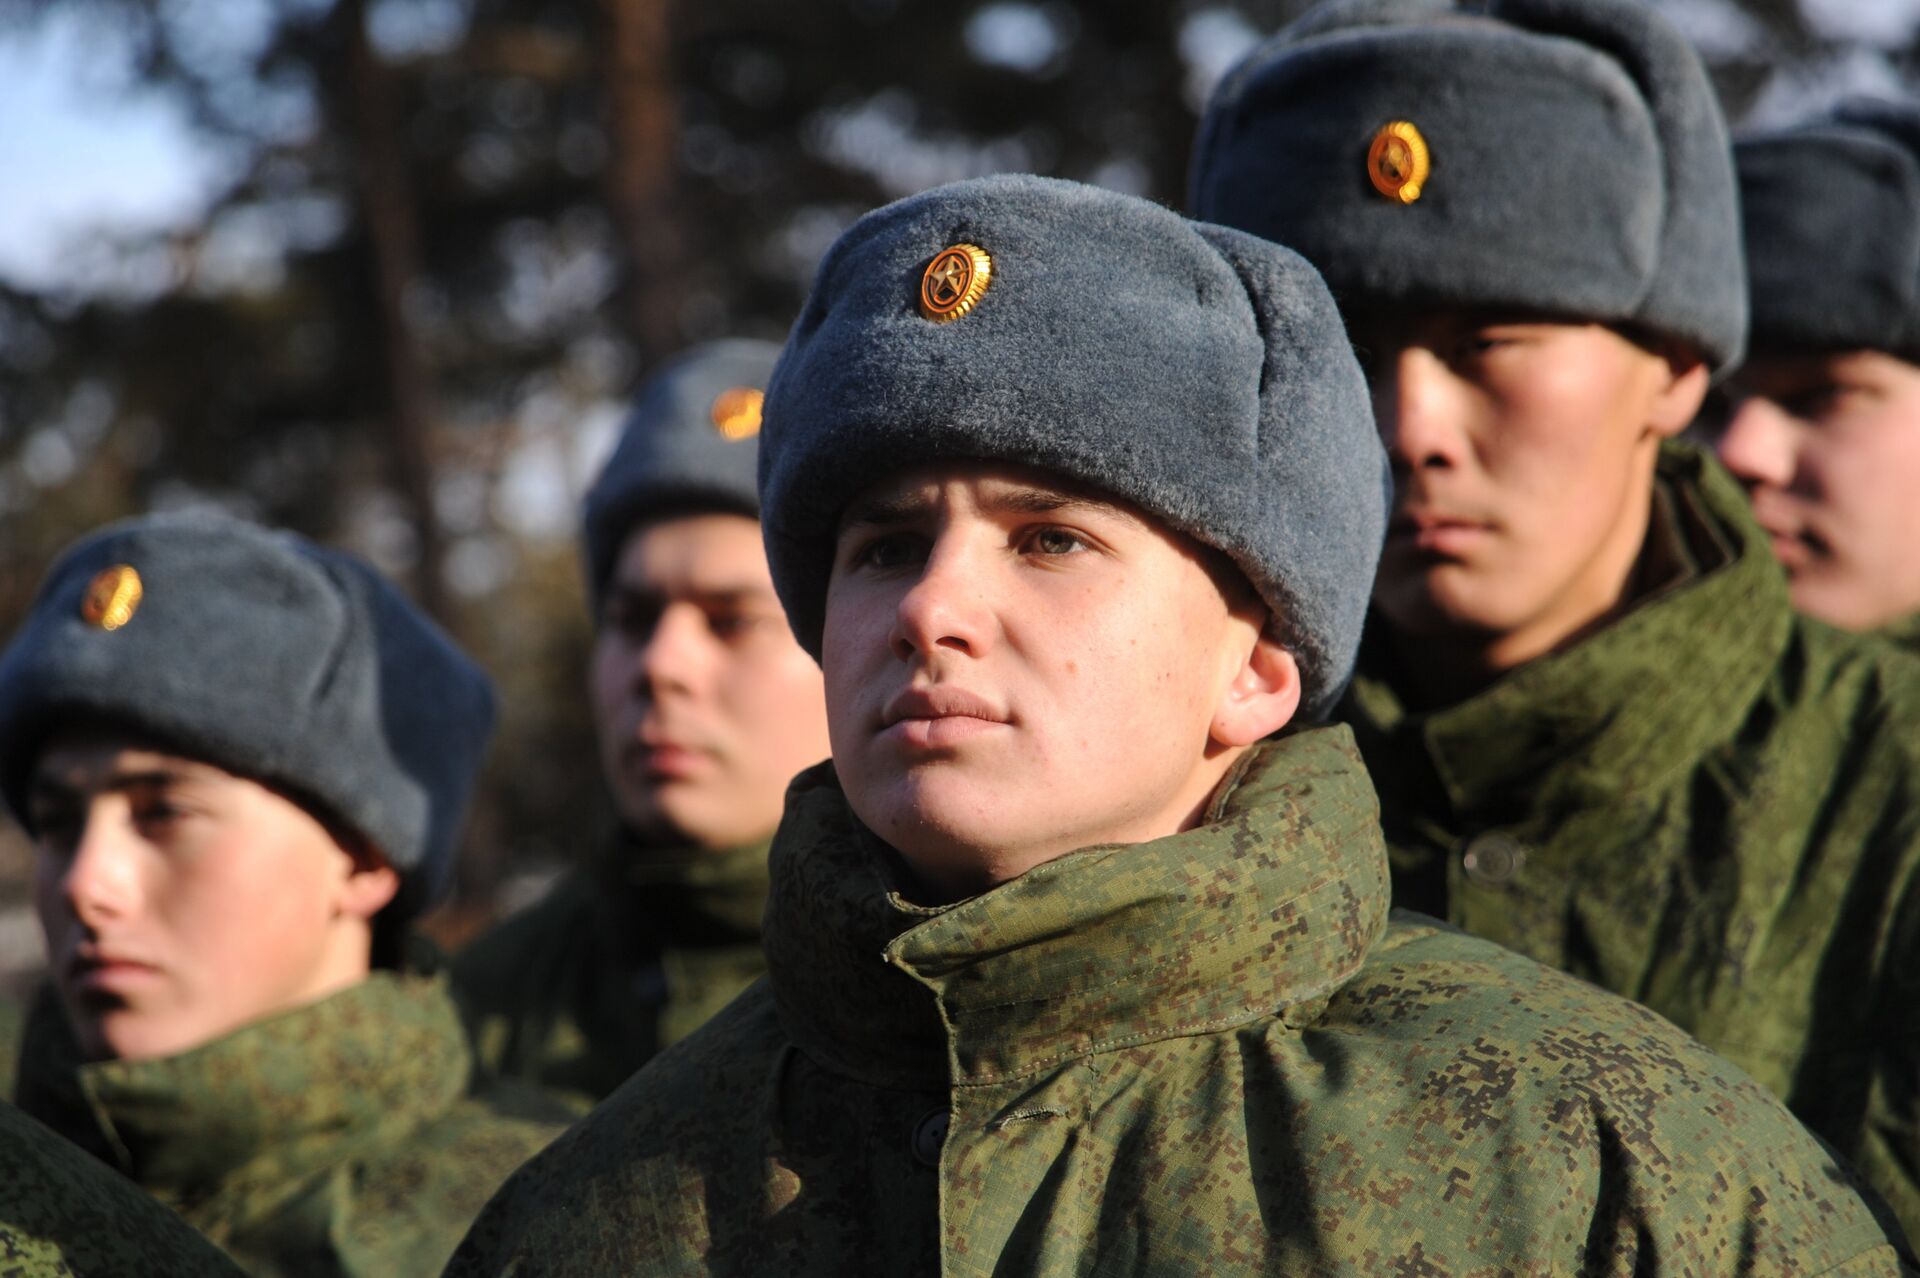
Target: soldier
705	708
64	1215
1825	427
1600	733
242	760
1071	968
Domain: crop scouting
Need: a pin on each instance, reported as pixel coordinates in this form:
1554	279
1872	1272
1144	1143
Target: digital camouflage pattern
335	1139
619	960
1211	1053
65	1215
1712	807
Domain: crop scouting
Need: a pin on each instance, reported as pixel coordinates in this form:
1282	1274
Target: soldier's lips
1437	534
108	973
671	762
939	717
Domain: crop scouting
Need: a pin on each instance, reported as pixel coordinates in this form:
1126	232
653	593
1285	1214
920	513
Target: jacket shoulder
1626	1120
63	1212
626	1184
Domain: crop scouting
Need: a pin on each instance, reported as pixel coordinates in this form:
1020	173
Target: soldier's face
704	705
1829	449
181	902
1017	669
1523	455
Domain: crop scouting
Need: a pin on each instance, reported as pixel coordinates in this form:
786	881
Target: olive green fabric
1711	806
335	1139
1904	633
64	1215
12	1018
1207	1054
620	959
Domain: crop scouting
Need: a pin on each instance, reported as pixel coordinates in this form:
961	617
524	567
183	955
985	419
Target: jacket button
929	1134
1493	860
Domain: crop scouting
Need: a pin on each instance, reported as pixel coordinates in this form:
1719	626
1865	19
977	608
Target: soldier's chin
1448	601
129	1034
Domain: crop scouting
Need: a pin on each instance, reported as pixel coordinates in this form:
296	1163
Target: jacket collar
261	1107
1904	633
1620	709
1269	905
650	894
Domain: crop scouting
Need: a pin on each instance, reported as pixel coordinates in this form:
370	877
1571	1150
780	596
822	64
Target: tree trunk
376	126
643	128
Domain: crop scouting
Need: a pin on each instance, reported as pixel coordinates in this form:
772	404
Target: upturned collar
1268	906
265	1106
649	894
1622	708
1904	633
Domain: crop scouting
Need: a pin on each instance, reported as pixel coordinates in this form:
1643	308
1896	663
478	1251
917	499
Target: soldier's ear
1680	396
1262	697
366	892
369	883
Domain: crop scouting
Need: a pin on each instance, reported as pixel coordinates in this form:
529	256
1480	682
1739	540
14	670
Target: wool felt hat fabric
1578	162
266	655
1198	373
689	444
1831	210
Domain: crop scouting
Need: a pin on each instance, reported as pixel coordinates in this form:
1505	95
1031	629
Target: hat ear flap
1316	434
1701	281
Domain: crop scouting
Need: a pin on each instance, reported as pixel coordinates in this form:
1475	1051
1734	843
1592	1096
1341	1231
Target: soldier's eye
1056	541
892	550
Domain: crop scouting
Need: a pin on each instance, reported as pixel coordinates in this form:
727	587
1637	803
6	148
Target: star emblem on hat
736	412
956	278
112	597
1398	162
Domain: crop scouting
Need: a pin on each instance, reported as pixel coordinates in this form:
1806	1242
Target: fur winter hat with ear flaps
1200	374
1832	216
689	444
1561	156
268	656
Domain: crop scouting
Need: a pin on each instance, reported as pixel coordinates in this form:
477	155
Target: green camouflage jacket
336	1139
1712	806
1207	1054
620	959
1904	633
65	1215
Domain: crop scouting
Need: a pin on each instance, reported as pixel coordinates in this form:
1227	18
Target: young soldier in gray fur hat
243	760
705	708
1600	733
1073	968
1825	426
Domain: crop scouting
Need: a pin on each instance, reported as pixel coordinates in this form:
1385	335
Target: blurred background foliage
445	237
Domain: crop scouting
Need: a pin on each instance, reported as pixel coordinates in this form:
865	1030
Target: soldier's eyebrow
887	508
1048	501
720	596
51	790
883	509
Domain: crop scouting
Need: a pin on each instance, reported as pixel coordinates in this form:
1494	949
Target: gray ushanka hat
1564	156
264	654
1832	216
690	443
1201	374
